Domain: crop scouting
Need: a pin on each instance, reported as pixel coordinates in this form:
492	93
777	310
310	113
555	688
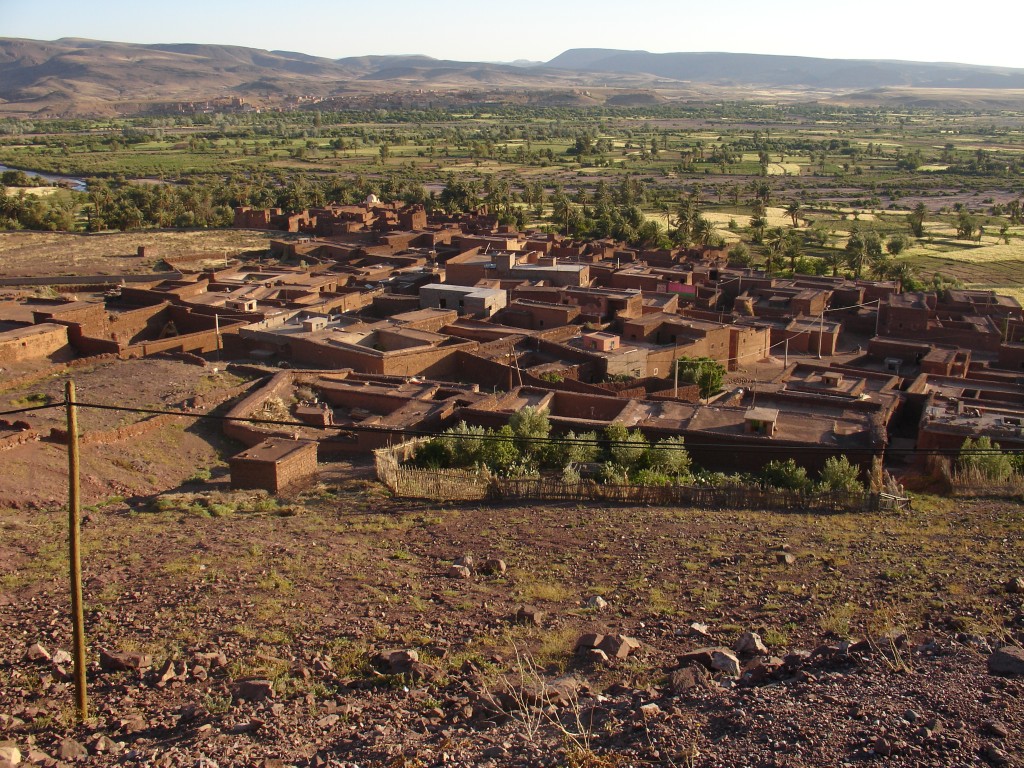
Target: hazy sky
480	30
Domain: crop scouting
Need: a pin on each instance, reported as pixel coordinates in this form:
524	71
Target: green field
625	173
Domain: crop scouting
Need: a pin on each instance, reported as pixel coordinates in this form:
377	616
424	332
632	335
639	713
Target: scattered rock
1008	660
36	653
697	629
687	679
995	756
785	558
459	572
714	659
121	662
401	662
887	747
618	646
995	728
61	658
493	566
10	755
252	690
72	751
466	561
106	745
588	642
528	614
650	710
215	660
725	661
595	603
750	644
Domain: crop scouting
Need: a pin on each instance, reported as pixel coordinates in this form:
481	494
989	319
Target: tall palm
794	209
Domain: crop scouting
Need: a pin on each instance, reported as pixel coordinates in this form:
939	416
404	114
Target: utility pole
75	553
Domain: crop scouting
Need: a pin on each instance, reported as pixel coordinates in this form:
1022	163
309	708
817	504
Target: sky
479	30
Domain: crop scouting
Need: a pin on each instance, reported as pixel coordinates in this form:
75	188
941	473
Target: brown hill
79	77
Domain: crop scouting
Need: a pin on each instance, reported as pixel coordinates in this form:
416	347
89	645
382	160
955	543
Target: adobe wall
46	340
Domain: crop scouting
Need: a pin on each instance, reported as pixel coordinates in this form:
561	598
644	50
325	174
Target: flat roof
275	449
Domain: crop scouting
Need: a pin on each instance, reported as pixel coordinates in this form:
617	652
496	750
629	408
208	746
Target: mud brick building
274	465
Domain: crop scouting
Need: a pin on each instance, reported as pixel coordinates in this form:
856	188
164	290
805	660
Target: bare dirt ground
44	254
35	474
308	596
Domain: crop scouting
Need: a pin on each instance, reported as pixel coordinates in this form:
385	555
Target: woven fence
470	485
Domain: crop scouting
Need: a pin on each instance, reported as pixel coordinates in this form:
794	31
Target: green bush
839	474
669	456
786	474
499	453
984	458
627	448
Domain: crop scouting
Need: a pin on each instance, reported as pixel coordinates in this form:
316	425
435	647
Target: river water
76	184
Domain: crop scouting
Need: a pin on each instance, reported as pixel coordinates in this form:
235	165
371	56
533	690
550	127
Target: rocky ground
341	627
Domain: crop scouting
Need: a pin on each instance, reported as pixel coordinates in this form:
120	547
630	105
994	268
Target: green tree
794	209
705	372
916	220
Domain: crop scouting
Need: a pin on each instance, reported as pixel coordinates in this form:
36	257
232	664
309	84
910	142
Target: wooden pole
75	553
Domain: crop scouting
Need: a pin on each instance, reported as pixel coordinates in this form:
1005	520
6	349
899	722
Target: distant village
377	320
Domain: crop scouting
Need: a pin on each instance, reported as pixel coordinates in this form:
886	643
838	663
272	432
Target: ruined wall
47	340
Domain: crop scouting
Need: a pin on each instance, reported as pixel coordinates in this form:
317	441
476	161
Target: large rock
112	661
700	656
750	644
726	661
37	653
72	751
9	755
252	690
459	572
528	614
1008	660
693	677
1015	586
493	566
595	603
618	646
588	642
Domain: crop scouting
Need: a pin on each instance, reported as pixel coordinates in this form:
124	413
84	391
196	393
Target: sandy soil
33	254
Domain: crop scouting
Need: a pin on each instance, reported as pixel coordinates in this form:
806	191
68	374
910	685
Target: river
76	184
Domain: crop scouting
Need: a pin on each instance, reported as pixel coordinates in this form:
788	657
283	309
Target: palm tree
916	220
794	209
855	252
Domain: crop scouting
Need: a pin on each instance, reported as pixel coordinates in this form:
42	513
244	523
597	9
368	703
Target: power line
32	408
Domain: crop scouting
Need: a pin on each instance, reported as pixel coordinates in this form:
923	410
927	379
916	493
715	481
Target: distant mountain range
79	77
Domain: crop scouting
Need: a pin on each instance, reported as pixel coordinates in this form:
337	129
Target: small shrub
787	475
839	474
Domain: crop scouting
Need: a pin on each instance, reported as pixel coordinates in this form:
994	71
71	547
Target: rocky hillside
77	77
